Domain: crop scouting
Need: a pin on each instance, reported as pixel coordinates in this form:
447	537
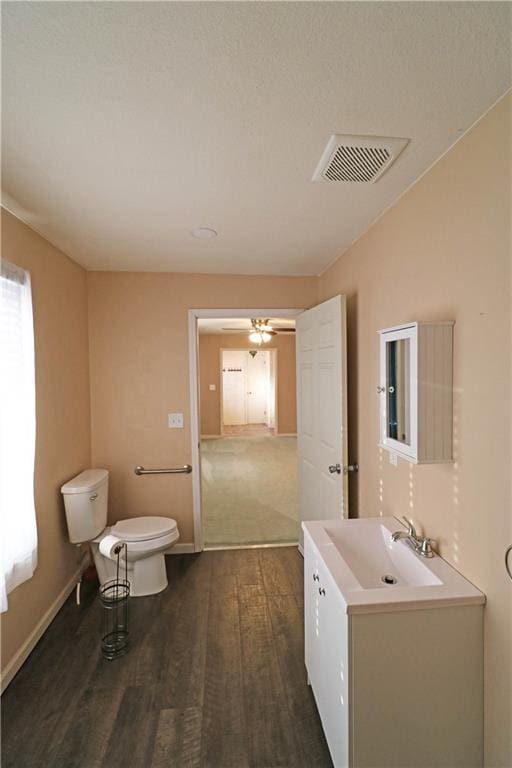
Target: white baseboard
181	549
30	643
215	548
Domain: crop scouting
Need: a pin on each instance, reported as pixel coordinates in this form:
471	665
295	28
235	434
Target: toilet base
147	576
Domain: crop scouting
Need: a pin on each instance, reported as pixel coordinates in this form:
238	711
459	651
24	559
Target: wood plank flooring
214	677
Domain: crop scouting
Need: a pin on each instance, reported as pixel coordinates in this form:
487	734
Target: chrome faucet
420	544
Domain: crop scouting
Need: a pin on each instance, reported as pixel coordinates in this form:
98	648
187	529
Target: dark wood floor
215	676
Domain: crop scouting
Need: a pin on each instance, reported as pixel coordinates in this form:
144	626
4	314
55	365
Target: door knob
335	469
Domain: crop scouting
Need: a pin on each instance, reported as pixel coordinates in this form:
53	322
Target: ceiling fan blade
285	330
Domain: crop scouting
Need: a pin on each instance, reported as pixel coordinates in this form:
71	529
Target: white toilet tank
85	501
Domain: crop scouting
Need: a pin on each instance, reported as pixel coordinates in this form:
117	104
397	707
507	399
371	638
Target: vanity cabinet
416	391
394	687
326	650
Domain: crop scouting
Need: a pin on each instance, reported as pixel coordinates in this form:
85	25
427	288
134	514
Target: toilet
148	539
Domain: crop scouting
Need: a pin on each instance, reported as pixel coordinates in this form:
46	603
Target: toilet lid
143	528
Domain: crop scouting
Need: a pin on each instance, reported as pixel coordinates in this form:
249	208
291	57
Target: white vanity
394	649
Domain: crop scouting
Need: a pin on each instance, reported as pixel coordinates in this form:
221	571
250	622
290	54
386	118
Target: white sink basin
372	572
375	560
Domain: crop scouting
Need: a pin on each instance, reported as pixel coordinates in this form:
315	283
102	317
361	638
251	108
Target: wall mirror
398	356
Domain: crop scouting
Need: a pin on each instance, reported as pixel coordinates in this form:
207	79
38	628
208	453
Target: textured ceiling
126	125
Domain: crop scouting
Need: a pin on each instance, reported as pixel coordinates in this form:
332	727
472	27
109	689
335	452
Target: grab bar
185	470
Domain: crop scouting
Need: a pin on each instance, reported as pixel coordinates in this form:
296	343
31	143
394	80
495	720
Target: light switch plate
212	387
393	458
175	420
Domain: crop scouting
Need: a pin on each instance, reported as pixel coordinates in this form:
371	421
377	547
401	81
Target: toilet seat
143	548
144	528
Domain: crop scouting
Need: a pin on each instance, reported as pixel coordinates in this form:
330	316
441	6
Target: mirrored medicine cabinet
416	391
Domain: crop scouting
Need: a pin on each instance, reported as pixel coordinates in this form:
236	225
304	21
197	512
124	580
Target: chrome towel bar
185	470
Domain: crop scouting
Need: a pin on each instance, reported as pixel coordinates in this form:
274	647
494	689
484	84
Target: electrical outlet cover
175	420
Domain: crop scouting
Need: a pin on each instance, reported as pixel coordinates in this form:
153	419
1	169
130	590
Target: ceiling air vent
357	158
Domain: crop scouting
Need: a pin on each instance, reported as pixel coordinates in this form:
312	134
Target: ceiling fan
261	331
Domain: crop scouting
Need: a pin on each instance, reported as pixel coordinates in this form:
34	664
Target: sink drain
389	579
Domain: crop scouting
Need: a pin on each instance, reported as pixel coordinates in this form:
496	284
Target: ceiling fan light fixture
255	337
258	336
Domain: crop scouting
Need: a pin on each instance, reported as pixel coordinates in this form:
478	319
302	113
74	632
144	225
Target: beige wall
59	292
209	373
443	252
139	373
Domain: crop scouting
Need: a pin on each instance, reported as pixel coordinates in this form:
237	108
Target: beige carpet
249	490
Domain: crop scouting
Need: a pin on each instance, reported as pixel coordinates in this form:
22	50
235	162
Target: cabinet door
311	604
331	692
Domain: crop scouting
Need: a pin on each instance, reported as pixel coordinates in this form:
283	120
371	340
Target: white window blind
18	540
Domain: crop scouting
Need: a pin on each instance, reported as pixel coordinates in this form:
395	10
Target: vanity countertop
375	574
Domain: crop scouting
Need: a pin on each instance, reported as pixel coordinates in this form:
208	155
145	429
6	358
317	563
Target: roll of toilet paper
109	546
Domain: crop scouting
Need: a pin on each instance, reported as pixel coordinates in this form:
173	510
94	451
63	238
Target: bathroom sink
375	560
372	572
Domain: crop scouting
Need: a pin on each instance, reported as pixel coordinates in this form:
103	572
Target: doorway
246	429
319	401
248	392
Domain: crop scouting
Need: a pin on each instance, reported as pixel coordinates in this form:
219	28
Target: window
18	541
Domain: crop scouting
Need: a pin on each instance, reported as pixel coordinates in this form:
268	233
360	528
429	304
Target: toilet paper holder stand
114	596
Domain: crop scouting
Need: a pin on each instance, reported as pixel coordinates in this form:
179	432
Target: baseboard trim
30	643
182	549
277	545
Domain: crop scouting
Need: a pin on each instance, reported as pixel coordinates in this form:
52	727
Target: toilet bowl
148	538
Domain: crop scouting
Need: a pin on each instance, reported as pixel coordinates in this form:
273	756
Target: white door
322	411
257	387
234	385
271	389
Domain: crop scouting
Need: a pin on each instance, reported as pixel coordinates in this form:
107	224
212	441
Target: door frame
274	352
195	417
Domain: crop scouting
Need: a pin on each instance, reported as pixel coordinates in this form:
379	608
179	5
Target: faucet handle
425	548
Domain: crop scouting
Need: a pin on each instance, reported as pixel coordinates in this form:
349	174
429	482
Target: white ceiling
126	124
231	324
